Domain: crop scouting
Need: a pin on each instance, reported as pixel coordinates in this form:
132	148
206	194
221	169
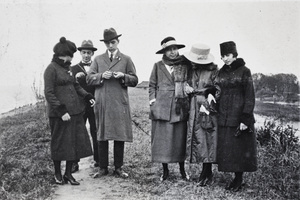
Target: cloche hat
167	42
64	48
200	54
109	34
228	47
87	45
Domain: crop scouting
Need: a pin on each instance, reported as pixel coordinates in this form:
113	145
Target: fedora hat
109	34
87	45
167	42
199	54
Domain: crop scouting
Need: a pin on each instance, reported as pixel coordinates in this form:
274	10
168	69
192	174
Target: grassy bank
26	169
25	166
278	111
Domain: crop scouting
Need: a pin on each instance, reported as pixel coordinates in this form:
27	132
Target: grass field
26	169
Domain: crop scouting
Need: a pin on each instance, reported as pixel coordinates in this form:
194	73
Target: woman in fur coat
169	108
69	137
236	138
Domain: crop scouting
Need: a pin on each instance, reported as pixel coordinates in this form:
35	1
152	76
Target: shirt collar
114	53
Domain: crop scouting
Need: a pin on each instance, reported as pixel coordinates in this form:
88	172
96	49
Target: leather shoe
231	184
209	179
121	173
58	179
237	186
71	180
201	182
101	172
75	167
165	175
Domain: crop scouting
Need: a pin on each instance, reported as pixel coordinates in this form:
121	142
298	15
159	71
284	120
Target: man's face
86	55
112	45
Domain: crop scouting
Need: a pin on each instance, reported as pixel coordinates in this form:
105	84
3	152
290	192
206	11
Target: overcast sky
267	33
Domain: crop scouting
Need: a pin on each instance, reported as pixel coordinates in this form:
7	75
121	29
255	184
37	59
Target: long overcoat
69	139
112	110
168	134
203	128
236	105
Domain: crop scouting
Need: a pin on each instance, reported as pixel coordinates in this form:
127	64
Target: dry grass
26	167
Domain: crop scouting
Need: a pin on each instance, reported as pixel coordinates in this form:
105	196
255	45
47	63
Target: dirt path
107	187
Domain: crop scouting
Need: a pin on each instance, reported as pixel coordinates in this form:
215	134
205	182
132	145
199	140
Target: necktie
86	64
111	57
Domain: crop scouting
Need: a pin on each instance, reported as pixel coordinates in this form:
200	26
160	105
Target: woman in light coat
169	108
236	138
202	126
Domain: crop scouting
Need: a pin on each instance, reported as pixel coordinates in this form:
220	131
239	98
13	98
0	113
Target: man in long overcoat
111	73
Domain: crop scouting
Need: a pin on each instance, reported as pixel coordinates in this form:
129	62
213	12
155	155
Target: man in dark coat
111	73
80	71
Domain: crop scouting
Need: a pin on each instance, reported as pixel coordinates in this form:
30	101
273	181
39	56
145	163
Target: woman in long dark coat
236	138
69	137
202	126
169	108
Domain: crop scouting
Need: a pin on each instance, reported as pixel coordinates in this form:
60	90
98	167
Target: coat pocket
206	121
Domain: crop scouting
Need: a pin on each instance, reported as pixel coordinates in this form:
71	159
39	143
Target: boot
165	172
239	181
184	175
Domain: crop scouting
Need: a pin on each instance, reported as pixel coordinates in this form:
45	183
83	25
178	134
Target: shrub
279	164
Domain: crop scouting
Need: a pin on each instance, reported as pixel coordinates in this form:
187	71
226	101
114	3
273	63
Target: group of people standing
91	90
202	114
198	112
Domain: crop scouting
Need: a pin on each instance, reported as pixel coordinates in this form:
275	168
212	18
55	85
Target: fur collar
239	62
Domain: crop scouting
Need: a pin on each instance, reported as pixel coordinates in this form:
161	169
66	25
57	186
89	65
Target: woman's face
171	52
228	58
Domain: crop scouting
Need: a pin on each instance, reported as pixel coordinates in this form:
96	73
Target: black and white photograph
149	99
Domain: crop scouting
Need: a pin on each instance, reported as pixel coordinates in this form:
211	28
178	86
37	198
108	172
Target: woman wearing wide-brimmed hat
169	107
69	137
202	126
236	137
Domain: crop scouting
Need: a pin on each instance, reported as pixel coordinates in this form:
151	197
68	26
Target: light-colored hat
199	54
87	45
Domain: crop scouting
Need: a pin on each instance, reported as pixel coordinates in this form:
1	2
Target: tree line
278	87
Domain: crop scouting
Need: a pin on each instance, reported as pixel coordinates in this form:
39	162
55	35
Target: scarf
180	79
61	62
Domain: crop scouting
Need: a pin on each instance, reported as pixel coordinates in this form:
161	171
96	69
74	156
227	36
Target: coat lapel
116	59
166	72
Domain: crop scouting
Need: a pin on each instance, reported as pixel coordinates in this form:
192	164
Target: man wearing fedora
111	73
80	71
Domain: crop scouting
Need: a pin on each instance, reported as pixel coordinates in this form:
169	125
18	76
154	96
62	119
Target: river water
260	119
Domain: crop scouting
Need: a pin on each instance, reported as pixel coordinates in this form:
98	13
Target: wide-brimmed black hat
167	42
87	45
110	34
228	47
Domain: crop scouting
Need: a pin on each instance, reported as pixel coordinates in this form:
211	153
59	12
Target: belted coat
112	110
